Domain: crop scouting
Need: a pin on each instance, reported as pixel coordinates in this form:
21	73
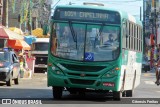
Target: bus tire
117	95
129	93
57	92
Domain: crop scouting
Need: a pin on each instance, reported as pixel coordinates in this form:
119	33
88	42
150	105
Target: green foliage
13	5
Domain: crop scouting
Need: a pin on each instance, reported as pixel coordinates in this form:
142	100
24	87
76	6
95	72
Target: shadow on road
46	96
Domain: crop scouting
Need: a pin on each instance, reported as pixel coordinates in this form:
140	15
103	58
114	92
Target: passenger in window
110	40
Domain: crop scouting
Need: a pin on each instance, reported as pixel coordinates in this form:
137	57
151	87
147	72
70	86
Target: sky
130	6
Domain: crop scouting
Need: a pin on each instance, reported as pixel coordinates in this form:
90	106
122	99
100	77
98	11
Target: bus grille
83	68
87	75
82	82
41	60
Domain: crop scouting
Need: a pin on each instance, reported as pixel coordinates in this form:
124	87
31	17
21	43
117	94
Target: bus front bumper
83	82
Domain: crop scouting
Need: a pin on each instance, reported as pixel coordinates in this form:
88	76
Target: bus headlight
112	73
56	70
53	68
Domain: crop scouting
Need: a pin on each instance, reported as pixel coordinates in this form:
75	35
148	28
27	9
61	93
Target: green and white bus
94	48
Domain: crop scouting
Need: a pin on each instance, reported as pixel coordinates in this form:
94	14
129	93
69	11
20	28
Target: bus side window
124	34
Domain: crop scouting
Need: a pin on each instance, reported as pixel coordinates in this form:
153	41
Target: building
40	13
1	10
151	22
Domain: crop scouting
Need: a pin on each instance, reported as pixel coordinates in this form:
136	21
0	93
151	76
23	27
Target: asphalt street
36	88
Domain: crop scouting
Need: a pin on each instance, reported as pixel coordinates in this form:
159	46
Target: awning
16	30
6	33
13	35
3	33
18	44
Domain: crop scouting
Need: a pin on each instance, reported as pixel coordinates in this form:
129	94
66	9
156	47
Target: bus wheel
57	92
117	95
129	93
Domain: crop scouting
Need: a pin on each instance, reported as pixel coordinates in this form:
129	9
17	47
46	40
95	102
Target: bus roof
122	13
41	40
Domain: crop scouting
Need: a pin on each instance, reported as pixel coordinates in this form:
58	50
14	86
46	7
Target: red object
3	33
18	44
152	39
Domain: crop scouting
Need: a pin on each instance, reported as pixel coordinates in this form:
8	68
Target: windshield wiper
74	35
101	28
72	31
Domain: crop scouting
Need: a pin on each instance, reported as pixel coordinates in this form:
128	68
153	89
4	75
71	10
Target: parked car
145	65
9	67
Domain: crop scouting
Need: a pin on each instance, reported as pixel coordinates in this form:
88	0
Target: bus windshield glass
40	46
85	42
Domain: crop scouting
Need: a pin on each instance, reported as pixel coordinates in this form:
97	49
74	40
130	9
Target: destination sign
87	15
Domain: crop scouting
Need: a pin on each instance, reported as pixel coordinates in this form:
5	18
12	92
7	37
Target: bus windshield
85	42
40	46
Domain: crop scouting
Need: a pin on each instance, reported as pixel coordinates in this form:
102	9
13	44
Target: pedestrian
21	66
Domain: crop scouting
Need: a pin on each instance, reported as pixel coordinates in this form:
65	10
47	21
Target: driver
110	39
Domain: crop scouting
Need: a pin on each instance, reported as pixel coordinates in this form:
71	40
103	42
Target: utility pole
155	25
5	13
144	25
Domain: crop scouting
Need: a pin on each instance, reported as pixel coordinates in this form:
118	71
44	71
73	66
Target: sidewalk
38	80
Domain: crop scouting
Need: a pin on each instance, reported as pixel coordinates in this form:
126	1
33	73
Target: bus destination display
87	15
